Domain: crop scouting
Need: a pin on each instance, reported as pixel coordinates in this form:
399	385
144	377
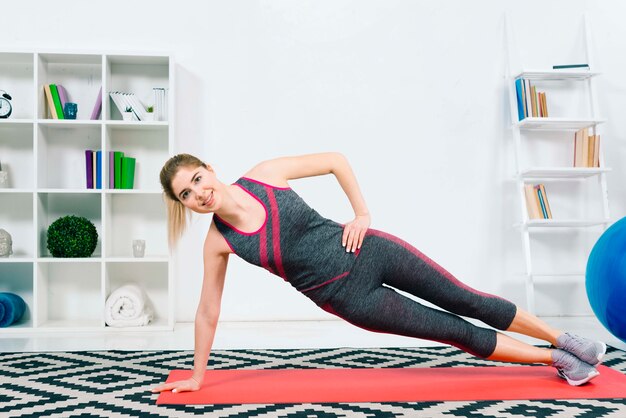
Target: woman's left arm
279	170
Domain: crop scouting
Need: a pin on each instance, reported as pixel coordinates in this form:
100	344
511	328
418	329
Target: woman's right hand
189	385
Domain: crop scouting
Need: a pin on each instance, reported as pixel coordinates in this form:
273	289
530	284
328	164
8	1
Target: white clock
5	105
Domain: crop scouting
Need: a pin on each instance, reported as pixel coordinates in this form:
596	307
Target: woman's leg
528	324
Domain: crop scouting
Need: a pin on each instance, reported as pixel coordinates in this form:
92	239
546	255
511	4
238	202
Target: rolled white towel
127	306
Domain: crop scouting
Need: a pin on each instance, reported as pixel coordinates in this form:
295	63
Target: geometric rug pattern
117	384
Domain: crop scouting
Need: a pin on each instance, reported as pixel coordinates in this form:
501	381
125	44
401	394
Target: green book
117	162
57	101
128	172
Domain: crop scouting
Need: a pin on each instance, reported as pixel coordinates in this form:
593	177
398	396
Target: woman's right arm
208	312
207	315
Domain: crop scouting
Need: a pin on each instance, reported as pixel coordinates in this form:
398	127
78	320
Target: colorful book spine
89	168
51	108
541	202
519	90
99	169
128	172
542	189
118	169
532	203
569	66
57	101
62	96
97	108
111	170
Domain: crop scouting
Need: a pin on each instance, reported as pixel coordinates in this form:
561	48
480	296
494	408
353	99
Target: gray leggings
362	298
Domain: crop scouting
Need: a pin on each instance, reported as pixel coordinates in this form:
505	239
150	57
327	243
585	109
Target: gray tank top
295	242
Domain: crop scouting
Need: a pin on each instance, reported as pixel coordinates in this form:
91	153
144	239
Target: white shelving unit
46	164
559	131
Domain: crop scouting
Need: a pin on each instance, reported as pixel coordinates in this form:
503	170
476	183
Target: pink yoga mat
391	385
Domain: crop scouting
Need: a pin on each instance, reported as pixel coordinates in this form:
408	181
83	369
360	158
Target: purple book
89	167
95	113
62	95
111	170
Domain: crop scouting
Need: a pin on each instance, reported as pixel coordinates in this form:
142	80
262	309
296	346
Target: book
99	169
544	101
544	212
533	93
93	168
532	203
97	107
51	108
544	195
128	172
89	168
118	169
519	90
111	170
596	152
578	148
570	66
62	96
57	101
592	147
584	160
527	98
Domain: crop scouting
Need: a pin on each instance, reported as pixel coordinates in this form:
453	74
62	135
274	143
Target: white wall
412	92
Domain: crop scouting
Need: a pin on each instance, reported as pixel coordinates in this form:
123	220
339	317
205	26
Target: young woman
345	269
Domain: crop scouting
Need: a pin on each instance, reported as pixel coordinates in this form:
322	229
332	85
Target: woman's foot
572	369
585	349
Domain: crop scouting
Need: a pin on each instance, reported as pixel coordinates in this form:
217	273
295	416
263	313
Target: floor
250	335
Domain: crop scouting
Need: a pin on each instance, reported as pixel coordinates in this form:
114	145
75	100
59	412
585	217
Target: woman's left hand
354	232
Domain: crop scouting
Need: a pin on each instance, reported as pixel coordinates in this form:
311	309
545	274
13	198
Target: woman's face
197	188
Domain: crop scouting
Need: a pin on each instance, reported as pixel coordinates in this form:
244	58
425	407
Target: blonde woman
348	270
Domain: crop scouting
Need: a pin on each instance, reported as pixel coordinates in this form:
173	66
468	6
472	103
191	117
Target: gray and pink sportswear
304	248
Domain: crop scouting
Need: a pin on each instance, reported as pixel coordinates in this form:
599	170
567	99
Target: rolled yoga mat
12	308
390	385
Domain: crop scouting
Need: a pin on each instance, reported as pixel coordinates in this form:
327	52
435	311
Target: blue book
519	90
98	169
542	203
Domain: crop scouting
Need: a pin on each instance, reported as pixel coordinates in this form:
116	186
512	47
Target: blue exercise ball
605	279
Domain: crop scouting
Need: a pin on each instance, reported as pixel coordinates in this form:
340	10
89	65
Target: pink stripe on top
265	184
263	256
428	261
276	233
238	230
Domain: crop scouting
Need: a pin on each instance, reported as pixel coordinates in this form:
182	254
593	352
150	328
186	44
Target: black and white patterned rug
117	384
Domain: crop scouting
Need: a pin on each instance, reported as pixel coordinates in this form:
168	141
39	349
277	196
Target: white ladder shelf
549	174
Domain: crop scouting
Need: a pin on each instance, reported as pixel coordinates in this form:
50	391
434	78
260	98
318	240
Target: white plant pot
127	115
149	117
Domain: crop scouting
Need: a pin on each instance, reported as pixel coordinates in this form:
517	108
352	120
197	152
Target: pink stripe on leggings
341	276
428	261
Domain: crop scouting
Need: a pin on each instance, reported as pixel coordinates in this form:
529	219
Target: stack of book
93	169
121	170
537	202
56	97
124	101
160	103
586	149
530	102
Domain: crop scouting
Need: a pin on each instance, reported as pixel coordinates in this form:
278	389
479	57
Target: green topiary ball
72	236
